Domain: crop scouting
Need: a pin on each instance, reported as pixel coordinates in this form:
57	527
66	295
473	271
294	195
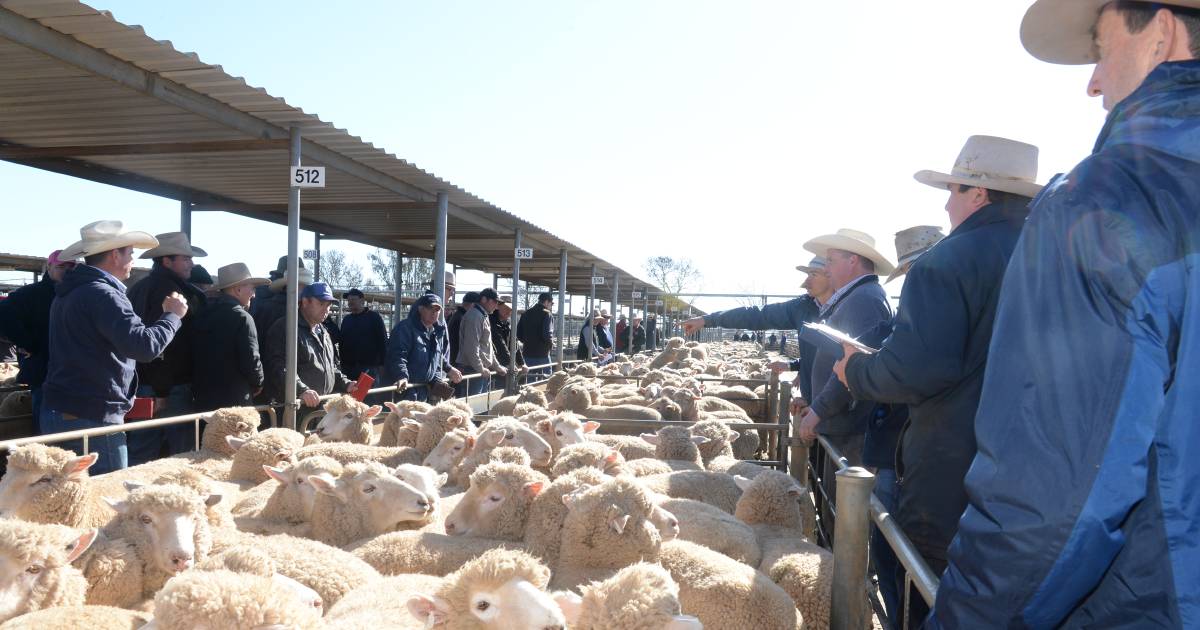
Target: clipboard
831	339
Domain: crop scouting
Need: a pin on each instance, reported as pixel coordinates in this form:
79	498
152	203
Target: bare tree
673	275
417	271
336	271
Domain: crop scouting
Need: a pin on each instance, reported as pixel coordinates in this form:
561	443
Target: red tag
364	385
143	409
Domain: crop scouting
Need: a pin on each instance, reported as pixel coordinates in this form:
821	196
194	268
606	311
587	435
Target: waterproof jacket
174	366
96	341
501	331
792	314
475	341
228	366
414	353
25	321
316	360
363	342
1083	496
860	312
453	328
535	332
268	311
934	362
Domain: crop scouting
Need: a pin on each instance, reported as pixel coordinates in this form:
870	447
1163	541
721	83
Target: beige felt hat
279	285
854	242
1060	31
235	274
173	244
993	163
103	236
817	263
911	243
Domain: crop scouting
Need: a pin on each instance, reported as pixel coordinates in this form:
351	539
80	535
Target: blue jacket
25	321
792	314
1083	503
96	341
414	353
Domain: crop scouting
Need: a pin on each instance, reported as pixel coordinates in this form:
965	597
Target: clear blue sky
727	132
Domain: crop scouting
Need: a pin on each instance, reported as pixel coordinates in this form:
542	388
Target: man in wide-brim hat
228	359
1081	499
935	357
910	244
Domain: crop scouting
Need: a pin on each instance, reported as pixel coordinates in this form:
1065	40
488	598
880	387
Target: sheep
716	489
254	561
706	525
639	597
444	416
37	571
741	396
577	398
530	413
75	617
676	443
399	427
382	603
225	599
648	467
720	439
544	523
426	552
16	404
46	484
555	382
427	480
771	504
505	406
806	575
563	430
499	589
167	529
735	466
725	593
269	448
585	369
510	455
347	420
346	453
365	500
497	503
629	446
328	571
588	455
450	451
501	432
288	499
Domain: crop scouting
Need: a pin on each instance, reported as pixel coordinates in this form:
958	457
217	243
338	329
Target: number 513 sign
307	177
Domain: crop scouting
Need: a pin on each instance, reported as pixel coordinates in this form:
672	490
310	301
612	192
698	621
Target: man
203	281
228	366
535	331
639	335
96	340
275	305
25	321
652	331
588	347
364	338
791	314
454	327
475	353
604	334
1081	509
501	322
414	355
168	378
317	371
622	335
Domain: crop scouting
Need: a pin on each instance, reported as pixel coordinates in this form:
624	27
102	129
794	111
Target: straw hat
993	163
1060	31
236	274
818	263
854	242
103	236
173	244
279	285
911	243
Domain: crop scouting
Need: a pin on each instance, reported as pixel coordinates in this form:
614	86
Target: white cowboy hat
911	243
817	263
173	244
992	163
1061	31
279	285
854	242
103	236
235	274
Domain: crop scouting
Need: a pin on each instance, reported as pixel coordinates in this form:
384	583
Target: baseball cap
319	291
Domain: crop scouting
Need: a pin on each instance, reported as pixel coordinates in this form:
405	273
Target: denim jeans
146	444
886	565
534	362
113	454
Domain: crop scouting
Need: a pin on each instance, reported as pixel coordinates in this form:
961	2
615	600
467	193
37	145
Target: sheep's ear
441	480
409	422
117	505
152	625
618	523
494	438
699	439
470	444
533	488
651	438
570	604
570	499
795	491
131	485
77	466
544	426
76	547
590	426
430	611
235	442
455	421
276	473
392	407
613	457
282	456
420	417
684	622
212	500
373	411
324	483
742	482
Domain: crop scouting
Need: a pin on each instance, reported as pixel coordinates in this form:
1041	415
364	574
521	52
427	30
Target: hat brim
900	270
822	244
1015	186
258	282
81	249
280	284
194	252
806	269
1060	31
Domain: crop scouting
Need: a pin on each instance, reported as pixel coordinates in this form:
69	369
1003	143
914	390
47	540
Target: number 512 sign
307	177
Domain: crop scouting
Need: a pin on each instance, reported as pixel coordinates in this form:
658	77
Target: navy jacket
363	341
934	362
792	314
228	366
25	321
861	312
174	366
414	353
1083	504
535	331
96	341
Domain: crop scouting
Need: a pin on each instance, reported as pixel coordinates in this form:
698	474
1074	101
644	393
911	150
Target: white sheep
287	500
588	455
564	429
639	597
435	423
528	394
37	573
346	453
347	420
75	617
364	501
46	484
497	502
450	451
225	599
716	489
498	432
399	427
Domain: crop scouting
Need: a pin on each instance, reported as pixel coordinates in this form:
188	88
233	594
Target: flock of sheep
527	520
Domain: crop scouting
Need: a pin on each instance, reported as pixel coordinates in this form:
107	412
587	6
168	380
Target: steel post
562	301
291	313
185	218
317	260
616	309
852	528
439	248
591	303
510	384
398	297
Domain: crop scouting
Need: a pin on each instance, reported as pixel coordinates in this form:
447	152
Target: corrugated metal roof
128	110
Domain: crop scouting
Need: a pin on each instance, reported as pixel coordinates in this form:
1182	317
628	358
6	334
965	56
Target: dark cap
428	299
352	293
470	297
489	293
543	297
200	275
319	291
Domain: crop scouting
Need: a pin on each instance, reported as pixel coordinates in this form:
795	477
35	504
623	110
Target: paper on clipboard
841	337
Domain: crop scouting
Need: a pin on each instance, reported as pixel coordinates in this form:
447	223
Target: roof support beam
154	148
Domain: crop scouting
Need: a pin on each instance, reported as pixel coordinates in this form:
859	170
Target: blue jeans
146	444
887	567
533	362
416	391
111	448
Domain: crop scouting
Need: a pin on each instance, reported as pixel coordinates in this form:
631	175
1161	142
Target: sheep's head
588	455
295	493
451	450
497	503
35	566
251	560
271	447
771	498
575	397
556	381
565	429
719	435
532	395
513	432
347	420
225	599
171	524
669	409
676	442
501	589
639	597
423	478
610	525
43	482
377	497
239	422
439	421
